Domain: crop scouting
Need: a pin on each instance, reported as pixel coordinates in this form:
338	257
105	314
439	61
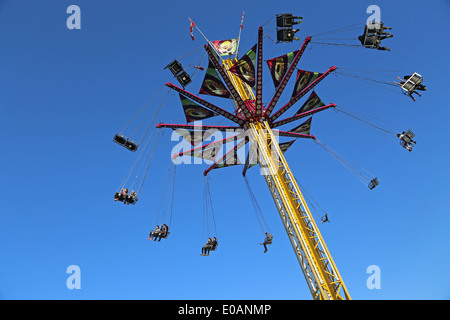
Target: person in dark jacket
163	232
154	233
210	245
267	241
207	247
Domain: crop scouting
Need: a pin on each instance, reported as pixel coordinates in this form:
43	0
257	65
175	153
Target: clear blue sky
65	93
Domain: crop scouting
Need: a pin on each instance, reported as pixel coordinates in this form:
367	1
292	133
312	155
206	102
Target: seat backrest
373	183
131	199
370	41
131	145
408	86
406	138
410	134
373	28
416	78
412	82
120	139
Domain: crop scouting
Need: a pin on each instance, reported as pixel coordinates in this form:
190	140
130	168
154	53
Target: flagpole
239	37
205	38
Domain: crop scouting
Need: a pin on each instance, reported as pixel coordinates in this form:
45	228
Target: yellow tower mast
319	269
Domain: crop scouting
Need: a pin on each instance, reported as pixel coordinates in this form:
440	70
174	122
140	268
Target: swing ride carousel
254	124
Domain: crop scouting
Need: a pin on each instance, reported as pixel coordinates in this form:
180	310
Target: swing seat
152	233
407	137
125	142
120	139
184	79
131	199
373	183
165	235
175	67
131	145
119	196
214	248
412	83
373	28
370	41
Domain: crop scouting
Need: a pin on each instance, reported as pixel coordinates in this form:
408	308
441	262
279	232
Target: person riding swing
267	240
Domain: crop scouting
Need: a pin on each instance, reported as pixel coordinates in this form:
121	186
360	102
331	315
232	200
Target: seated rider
407	137
372	41
406	146
207	247
406	141
373	183
378	29
214	244
154	233
122	195
163	232
211	244
267	240
131	198
417	86
420	86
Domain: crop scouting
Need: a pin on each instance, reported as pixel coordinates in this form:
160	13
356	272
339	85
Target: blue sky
65	93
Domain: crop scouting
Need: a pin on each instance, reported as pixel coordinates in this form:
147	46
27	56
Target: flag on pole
242	21
192	28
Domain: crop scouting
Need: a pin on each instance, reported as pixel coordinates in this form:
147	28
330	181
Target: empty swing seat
131	145
184	79
120	139
175	67
177	70
125	142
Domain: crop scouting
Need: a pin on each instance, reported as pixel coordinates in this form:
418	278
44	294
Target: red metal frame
295	135
285	80
259	63
301	115
246	110
237	98
207	104
235	148
301	94
195	127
